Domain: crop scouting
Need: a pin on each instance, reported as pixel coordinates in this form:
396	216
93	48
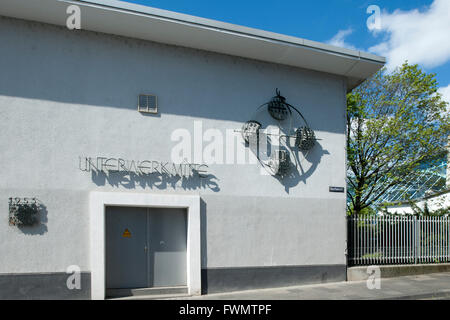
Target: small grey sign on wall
337	189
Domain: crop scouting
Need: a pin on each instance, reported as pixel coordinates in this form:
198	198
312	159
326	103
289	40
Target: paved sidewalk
429	286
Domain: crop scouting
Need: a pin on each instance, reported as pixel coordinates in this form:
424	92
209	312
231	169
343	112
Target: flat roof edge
229	27
157	25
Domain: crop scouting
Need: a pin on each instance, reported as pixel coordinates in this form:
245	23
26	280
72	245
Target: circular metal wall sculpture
279	162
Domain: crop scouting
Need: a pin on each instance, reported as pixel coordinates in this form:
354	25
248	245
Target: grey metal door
145	247
126	247
167	243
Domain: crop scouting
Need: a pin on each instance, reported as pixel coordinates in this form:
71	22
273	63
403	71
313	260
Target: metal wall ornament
280	110
280	163
23	211
250	129
305	138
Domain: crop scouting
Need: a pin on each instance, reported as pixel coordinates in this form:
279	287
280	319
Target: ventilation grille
148	103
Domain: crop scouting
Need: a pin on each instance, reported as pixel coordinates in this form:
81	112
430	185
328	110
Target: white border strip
97	203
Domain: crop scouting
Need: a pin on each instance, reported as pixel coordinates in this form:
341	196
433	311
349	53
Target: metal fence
398	240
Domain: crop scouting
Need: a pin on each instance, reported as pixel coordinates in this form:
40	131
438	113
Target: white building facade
115	202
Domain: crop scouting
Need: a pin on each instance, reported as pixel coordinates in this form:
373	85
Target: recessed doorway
100	201
145	247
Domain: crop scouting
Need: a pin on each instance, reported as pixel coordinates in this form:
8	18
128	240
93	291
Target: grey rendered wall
69	93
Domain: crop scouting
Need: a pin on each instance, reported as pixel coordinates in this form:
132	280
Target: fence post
416	240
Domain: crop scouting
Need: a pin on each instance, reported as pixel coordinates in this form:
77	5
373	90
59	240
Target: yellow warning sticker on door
126	234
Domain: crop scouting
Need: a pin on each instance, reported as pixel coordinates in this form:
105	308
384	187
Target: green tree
395	122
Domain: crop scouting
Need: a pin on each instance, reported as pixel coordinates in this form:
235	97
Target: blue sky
417	30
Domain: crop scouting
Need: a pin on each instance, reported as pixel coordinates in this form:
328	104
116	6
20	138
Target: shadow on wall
188	82
41	227
300	170
131	180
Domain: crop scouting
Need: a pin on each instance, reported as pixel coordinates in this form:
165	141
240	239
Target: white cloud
339	39
419	37
445	91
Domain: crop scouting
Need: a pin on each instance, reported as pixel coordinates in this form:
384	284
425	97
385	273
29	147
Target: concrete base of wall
43	286
216	280
360	273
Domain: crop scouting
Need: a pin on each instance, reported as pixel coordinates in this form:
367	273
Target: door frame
98	201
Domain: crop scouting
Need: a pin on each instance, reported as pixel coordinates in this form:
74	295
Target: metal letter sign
143	167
